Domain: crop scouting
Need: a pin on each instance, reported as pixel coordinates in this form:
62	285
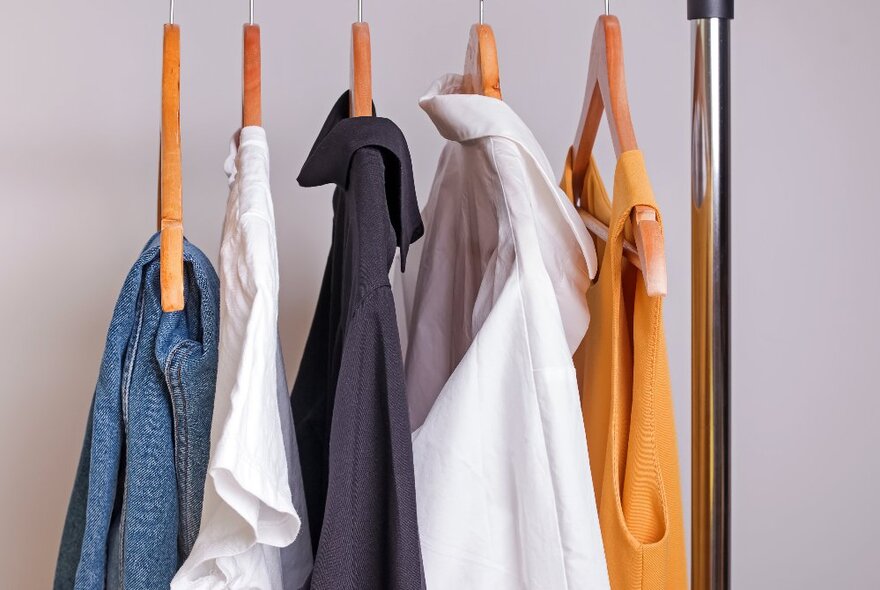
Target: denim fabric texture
136	505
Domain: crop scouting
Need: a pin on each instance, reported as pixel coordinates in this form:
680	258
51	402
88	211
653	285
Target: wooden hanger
481	72
600	230
170	185
252	93
606	93
361	99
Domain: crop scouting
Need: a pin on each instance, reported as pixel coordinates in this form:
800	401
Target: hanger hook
607	7
481	11
251	14
360	11
171	13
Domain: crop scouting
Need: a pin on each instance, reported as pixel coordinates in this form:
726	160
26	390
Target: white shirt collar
465	117
468	117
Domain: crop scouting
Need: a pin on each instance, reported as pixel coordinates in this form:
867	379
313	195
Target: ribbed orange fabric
626	397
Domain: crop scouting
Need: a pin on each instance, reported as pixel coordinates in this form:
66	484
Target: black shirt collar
329	162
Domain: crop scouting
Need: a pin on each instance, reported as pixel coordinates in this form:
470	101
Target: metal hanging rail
710	267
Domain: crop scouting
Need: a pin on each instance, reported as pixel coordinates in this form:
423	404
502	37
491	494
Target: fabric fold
330	162
147	439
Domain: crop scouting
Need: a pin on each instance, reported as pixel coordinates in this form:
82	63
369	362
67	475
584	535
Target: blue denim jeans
137	498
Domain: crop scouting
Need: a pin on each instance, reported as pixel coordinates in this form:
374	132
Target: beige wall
80	118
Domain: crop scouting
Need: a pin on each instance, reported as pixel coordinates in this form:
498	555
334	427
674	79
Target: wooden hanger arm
361	71
600	230
171	197
481	71
252	94
651	247
646	253
605	93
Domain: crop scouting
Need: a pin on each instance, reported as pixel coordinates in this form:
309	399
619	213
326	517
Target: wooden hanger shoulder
605	94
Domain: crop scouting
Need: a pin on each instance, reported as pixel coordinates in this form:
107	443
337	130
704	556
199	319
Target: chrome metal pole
710	268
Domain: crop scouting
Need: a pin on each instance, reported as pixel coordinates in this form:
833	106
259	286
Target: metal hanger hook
251	14
607	7
171	13
481	11
360	11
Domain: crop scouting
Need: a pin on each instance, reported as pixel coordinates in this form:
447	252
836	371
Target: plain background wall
80	104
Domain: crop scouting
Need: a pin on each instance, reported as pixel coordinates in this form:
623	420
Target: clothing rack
710	268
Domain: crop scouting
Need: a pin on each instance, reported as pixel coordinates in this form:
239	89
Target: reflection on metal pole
710	227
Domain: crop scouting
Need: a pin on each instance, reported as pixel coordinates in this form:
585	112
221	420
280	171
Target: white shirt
248	513
505	496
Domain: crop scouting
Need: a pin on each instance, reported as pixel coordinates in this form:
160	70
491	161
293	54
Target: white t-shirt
505	496
248	512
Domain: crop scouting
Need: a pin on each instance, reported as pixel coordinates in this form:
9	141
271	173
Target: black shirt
349	401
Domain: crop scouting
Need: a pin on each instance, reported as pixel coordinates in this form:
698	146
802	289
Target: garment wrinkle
514	245
551	185
617	297
532	372
181	430
122	511
353	488
520	295
186	475
126	388
652	369
130	356
247	535
121	550
256	215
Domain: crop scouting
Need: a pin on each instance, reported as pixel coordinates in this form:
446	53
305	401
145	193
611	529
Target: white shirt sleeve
248	513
